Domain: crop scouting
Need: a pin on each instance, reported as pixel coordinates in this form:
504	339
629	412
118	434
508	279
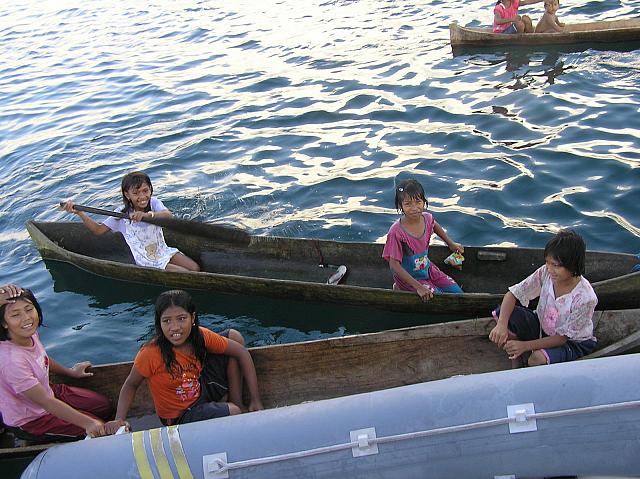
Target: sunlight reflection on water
297	118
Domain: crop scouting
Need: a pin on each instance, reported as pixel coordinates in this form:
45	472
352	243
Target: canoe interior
310	371
485	270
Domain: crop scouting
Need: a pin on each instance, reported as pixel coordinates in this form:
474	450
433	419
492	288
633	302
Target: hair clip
400	189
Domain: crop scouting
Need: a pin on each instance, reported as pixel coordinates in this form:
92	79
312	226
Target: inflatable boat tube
580	418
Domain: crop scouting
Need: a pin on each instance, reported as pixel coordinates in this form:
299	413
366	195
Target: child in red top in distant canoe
507	20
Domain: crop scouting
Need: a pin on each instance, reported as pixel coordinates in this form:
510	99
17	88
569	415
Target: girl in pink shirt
31	406
561	328
407	246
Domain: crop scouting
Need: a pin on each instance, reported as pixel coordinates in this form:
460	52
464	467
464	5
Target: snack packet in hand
455	260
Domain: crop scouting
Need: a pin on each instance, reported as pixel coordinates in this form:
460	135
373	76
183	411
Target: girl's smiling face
139	196
176	324
21	321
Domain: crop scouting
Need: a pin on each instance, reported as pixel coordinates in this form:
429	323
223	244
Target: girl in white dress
145	240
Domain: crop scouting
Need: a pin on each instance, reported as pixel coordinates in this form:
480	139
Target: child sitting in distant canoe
193	373
407	245
29	404
549	22
561	328
507	20
145	240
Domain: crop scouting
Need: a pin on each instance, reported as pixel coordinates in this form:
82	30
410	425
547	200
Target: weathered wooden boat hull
293	373
288	268
560	420
615	31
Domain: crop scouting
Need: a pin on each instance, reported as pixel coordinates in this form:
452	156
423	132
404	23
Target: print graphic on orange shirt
189	389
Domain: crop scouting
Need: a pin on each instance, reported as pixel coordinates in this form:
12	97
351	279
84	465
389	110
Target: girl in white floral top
561	328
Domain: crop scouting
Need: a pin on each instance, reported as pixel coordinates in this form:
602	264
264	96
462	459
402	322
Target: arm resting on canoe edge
127	394
78	370
95	228
93	427
423	291
240	353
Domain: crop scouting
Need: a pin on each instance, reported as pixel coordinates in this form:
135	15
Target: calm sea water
296	119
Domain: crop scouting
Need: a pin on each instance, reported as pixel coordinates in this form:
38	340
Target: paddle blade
227	233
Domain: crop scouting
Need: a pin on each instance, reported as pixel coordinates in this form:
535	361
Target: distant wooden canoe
592	32
322	369
288	268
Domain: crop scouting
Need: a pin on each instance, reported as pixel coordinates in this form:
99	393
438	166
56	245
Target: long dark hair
568	248
409	189
28	296
181	299
134	179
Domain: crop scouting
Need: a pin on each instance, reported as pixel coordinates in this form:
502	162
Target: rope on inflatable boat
227	466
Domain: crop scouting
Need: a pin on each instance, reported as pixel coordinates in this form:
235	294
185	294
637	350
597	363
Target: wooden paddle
227	233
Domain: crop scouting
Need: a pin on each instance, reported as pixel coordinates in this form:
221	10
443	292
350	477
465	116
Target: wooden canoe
288	268
297	372
591	32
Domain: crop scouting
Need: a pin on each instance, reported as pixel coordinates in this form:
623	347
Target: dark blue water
296	119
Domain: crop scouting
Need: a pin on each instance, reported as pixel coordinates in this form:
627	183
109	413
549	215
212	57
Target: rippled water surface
295	119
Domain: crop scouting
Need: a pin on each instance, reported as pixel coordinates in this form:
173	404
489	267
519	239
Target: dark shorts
214	386
512	29
203	410
525	325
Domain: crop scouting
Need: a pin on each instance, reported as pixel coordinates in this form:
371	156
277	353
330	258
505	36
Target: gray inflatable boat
580	418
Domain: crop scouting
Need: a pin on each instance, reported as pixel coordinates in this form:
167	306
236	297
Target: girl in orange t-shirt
193	373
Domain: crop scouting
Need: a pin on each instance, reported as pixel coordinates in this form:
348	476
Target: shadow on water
519	50
229	308
546	66
546	62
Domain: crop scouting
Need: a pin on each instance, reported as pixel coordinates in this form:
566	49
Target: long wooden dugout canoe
614	31
310	371
287	268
